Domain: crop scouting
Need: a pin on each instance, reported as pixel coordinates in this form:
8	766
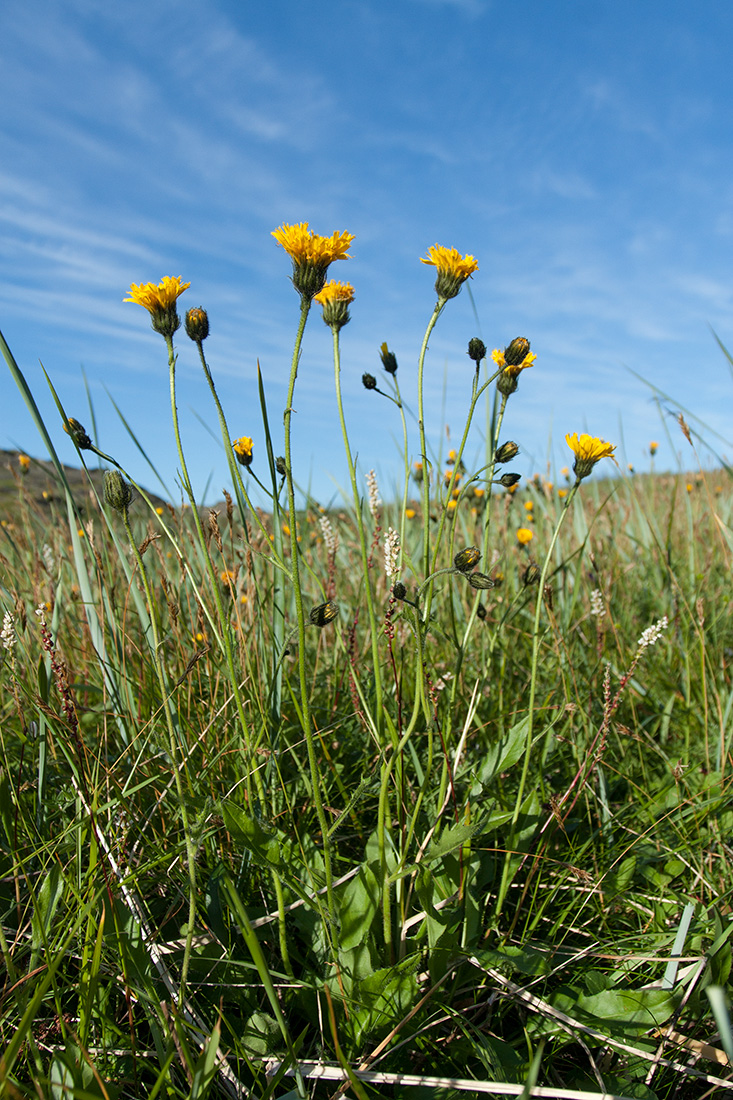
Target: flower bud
324	613
507	383
280	466
466	559
506	452
507	480
476	350
480	581
517	351
76	431
389	359
197	324
399	591
369	382
243	450
117	491
532	574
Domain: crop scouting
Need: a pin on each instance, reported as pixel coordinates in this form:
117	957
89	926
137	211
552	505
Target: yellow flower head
160	302
311	254
453	269
513	360
588	450
653	448
24	462
335	299
529	505
243	450
410	513
524	536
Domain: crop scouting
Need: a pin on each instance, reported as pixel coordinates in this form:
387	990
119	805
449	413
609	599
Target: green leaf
357	908
503	754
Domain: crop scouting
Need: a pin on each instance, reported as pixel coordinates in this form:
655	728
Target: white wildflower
374	500
48	559
596	603
329	536
391	553
41	613
7	634
652	634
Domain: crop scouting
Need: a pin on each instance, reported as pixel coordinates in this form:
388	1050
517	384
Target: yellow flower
410	513
160	302
452	455
453	269
689	487
588	450
524	535
311	255
335	299
514	359
653	448
529	505
562	493
159	511
335	292
565	472
24	462
451	505
243	450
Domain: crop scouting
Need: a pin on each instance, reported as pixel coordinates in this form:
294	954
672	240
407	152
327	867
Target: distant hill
40	484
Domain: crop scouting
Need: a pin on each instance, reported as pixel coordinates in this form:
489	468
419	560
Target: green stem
421	426
532	692
379	715
300	613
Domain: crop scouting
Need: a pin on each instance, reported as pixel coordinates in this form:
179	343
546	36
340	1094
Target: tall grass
277	809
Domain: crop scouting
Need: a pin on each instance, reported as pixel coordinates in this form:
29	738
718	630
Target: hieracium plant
333	766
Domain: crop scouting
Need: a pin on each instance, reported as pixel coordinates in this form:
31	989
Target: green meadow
421	796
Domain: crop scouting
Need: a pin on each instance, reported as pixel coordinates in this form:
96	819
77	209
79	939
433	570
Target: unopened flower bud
399	591
517	351
532	573
476	350
78	434
507	480
389	359
281	467
466	559
507	383
506	452
481	611
324	613
117	492
369	382
197	324
480	581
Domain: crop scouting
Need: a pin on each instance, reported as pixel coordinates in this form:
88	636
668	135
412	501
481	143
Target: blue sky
580	151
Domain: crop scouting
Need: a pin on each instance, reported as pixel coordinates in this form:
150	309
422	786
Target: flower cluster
391	553
515	358
652	634
311	255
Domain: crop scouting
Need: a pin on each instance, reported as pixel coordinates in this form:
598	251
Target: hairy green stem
300	614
